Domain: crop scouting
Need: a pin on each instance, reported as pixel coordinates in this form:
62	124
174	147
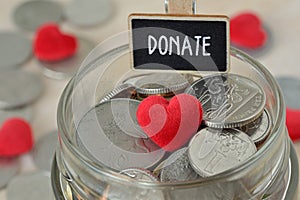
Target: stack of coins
235	125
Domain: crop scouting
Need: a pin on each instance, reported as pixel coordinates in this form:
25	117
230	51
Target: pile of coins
235	125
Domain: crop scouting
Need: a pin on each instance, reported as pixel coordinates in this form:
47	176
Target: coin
110	134
18	88
290	88
44	150
213	151
10	56
164	84
122	91
8	169
68	67
177	168
34	186
114	192
228	100
259	129
139	174
24	112
31	14
88	13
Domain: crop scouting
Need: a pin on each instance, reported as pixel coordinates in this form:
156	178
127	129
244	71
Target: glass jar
271	173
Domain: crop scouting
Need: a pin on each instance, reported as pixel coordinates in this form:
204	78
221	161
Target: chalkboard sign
174	42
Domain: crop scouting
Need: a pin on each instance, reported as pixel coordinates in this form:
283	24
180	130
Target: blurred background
279	54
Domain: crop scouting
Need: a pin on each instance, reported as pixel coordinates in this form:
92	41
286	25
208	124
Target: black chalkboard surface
174	42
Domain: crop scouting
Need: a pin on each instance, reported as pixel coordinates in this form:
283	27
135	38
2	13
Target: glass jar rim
226	175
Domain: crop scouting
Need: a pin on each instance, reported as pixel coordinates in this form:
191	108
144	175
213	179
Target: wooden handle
181	6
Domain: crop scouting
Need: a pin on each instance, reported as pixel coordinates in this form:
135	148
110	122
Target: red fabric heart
246	31
293	123
170	124
15	138
51	44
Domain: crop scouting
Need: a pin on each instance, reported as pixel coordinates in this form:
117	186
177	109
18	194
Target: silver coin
163	83
8	169
177	168
68	67
114	192
122	91
30	186
228	100
24	112
32	14
18	88
88	13
10	56
139	174
290	88
213	151
259	129
44	150
110	134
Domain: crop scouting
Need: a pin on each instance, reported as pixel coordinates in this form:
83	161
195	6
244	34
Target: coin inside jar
259	129
213	151
163	84
110	134
228	100
125	90
177	167
139	174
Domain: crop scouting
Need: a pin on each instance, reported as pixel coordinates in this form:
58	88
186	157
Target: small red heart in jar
15	138
293	123
170	124
51	44
246	30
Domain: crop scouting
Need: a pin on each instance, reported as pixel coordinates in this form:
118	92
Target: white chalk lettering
176	43
160	45
204	45
196	46
151	48
186	45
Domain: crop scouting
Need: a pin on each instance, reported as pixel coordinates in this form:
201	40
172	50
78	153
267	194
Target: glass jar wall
271	173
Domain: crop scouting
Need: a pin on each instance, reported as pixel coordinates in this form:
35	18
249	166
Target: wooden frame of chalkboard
183	43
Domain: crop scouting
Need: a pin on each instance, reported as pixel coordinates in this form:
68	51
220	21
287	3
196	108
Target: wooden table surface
281	17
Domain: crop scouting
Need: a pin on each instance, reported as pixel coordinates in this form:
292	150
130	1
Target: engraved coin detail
228	100
139	174
212	151
110	134
259	129
177	168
